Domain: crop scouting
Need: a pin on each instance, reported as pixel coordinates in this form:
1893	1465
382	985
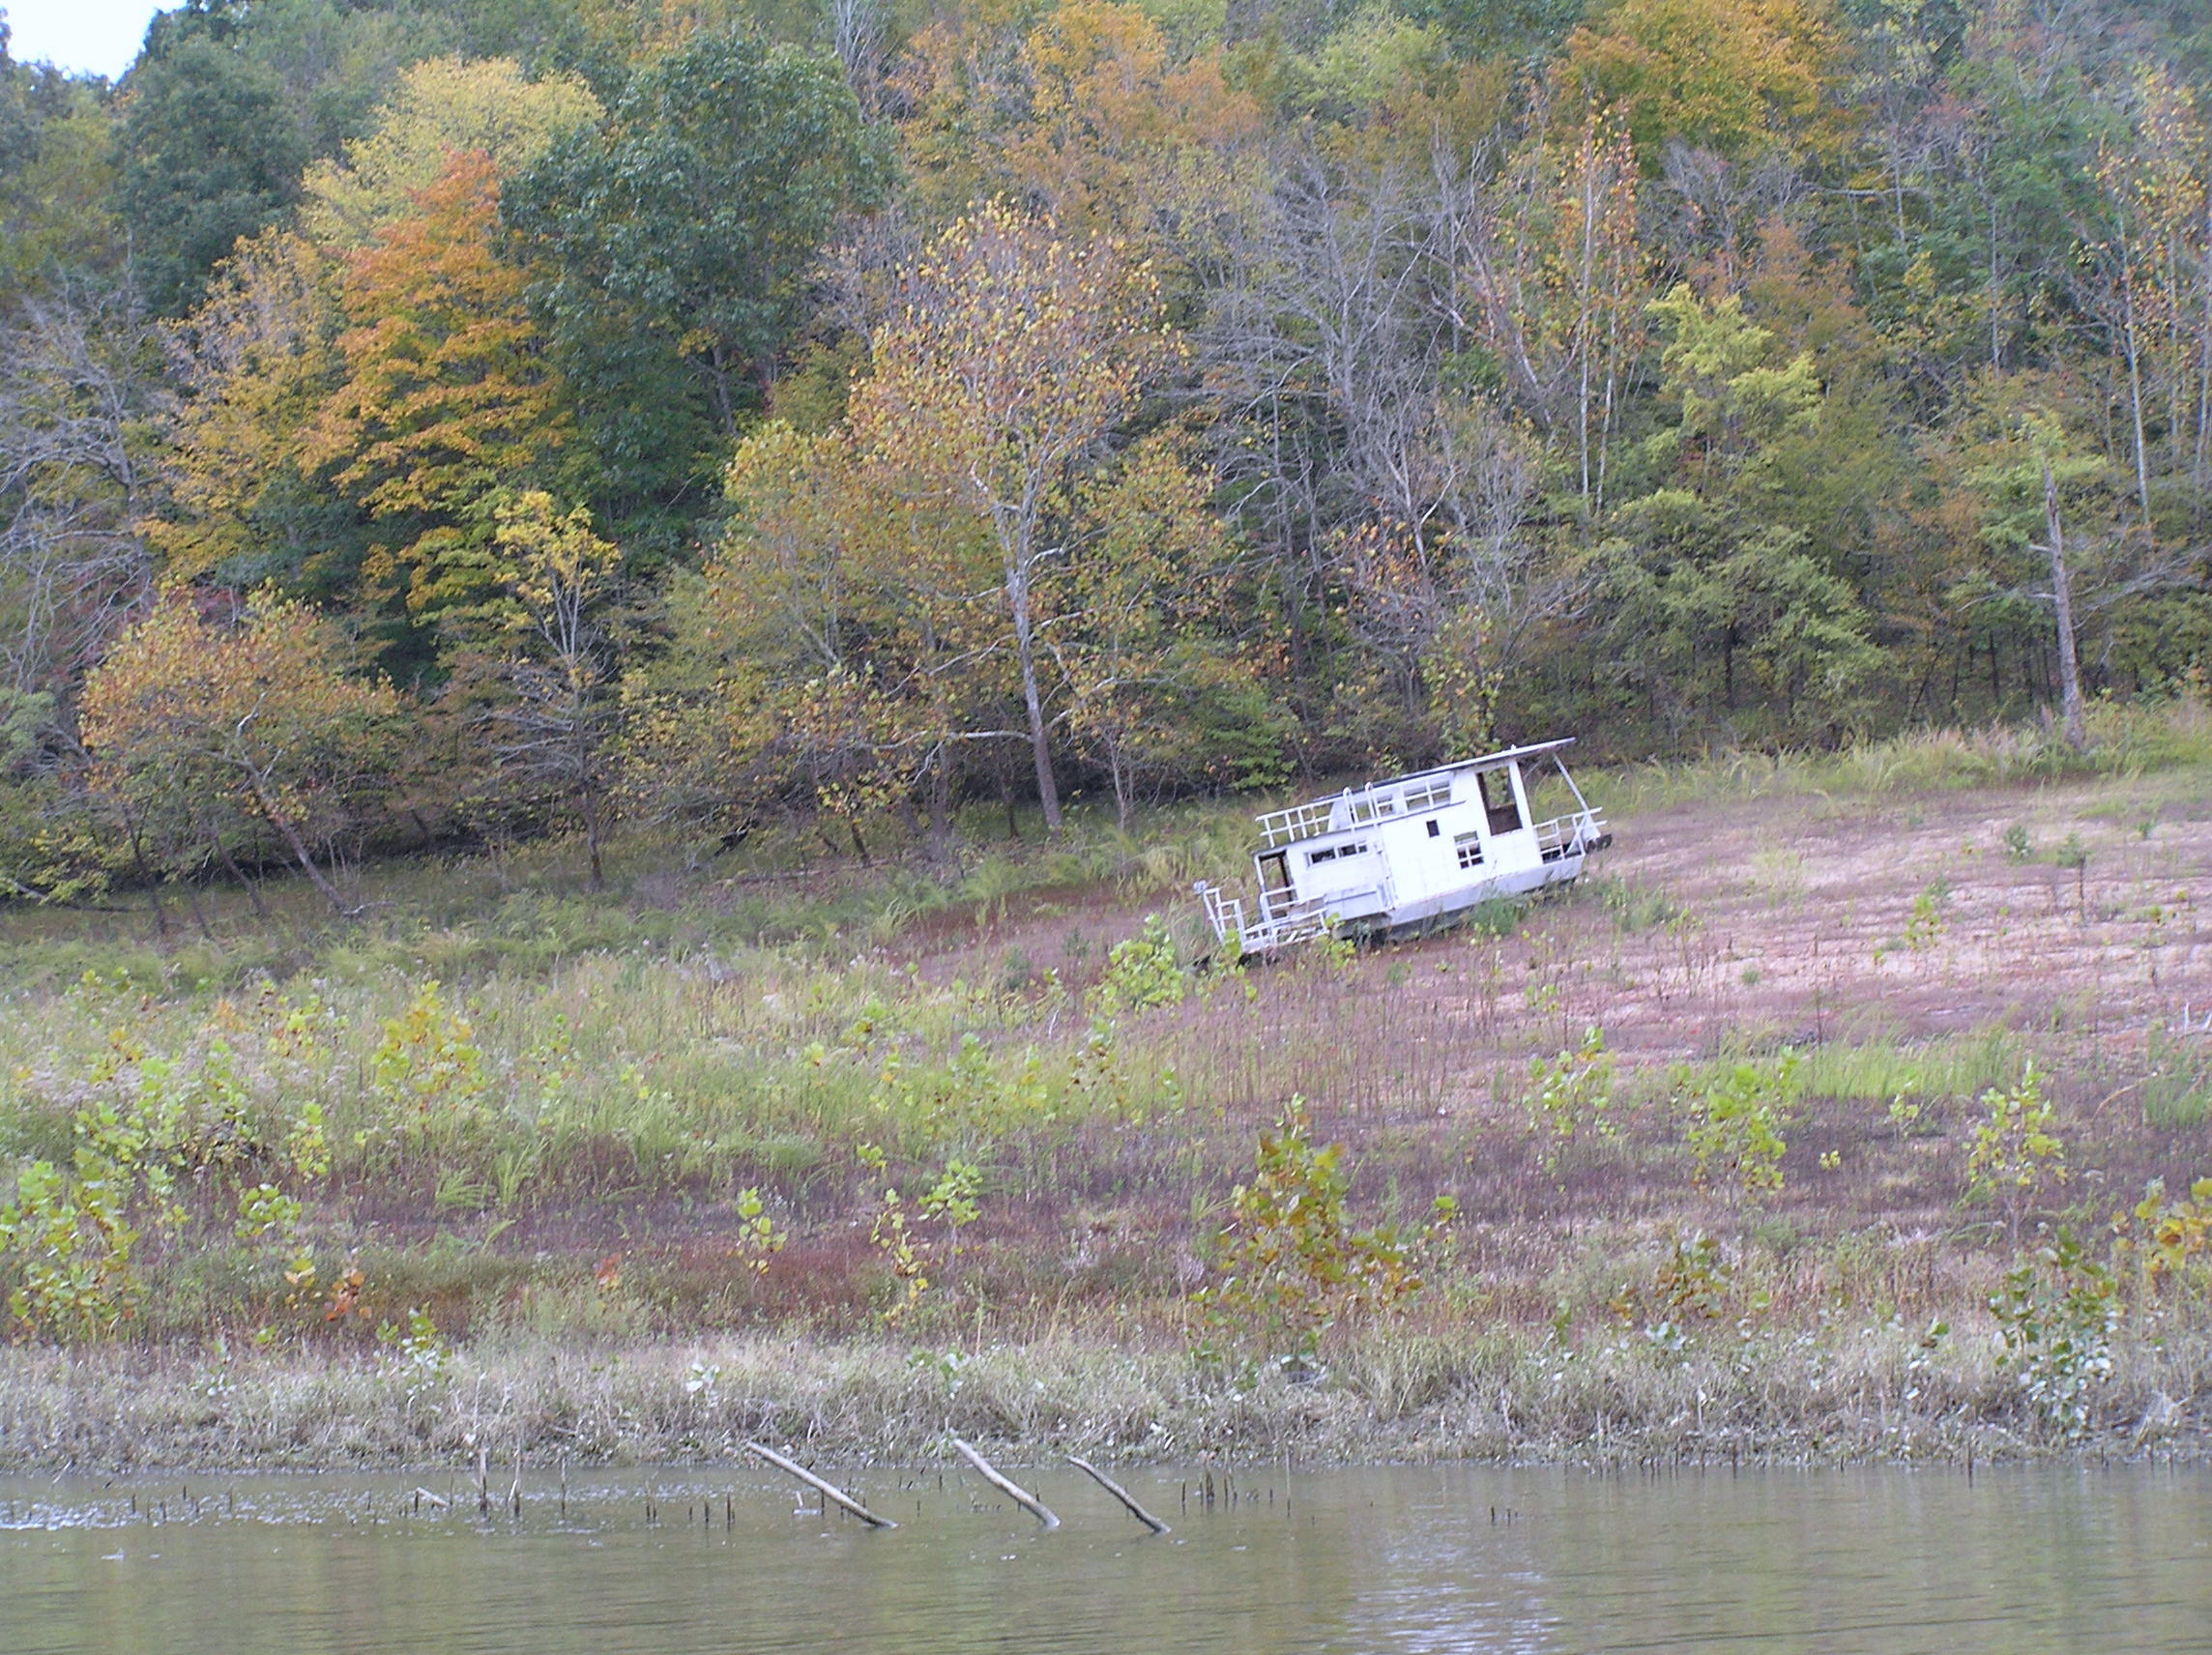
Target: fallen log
1119	1492
827	1491
1021	1496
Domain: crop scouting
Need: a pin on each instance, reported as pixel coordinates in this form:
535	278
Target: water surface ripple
1428	1561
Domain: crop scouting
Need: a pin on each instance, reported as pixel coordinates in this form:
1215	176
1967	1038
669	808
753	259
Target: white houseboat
1396	855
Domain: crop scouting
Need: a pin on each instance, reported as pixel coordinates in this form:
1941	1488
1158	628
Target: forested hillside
430	420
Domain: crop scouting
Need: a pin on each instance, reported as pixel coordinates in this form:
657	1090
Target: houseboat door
1274	879
1499	805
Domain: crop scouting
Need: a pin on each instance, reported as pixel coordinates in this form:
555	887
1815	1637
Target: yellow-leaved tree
255	361
556	724
443	107
1017	352
1733	75
256	713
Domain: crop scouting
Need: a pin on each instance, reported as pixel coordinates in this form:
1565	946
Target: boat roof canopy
1316	819
1488	762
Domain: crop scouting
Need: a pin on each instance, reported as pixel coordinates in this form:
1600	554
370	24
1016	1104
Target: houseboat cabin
1395	855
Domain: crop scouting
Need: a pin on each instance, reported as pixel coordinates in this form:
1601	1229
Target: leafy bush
1291	1264
1736	1122
2015	1154
2057	1314
1142	972
1570	1097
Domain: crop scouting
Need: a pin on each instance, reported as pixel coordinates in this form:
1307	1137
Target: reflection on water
1347	1562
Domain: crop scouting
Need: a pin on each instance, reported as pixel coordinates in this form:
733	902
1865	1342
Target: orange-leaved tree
257	712
447	395
1016	354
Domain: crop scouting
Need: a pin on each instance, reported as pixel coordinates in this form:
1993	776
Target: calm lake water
1359	1563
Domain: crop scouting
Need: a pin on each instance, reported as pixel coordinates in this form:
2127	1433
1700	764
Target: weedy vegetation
1018	1151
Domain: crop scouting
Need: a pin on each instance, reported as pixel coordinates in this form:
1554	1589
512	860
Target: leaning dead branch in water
1119	1492
1022	1497
827	1491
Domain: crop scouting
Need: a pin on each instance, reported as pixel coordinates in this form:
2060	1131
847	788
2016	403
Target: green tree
1720	565
679	235
211	152
57	178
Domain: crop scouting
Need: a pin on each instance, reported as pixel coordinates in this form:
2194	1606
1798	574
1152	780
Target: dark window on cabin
1469	847
1435	829
1330	854
1499	804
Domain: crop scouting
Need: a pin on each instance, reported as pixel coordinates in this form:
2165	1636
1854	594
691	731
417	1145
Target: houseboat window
1435	829
1427	794
1330	853
1499	802
1468	847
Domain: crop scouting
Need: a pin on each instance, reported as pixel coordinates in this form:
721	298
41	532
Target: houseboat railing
1298	822
1278	927
1567	836
1354	807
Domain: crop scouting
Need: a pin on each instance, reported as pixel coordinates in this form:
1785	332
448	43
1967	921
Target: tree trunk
1024	642
2135	397
153	886
199	915
941	810
2062	601
306	859
252	887
591	813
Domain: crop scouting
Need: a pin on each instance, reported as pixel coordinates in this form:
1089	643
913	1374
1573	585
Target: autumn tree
845	637
252	365
1735	76
1017	353
556	727
444	395
2148	277
1153	686
1553	283
257	713
441	107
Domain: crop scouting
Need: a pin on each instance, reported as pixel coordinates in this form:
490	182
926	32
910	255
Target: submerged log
827	1491
1119	1492
1021	1496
